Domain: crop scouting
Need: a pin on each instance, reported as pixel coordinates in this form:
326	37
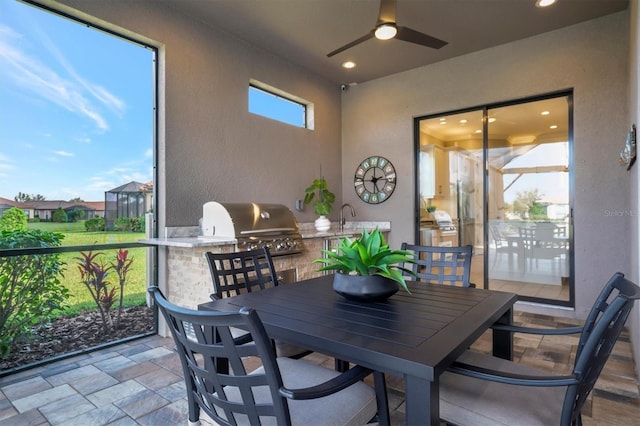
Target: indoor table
413	336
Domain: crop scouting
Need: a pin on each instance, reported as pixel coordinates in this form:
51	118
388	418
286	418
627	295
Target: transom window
276	104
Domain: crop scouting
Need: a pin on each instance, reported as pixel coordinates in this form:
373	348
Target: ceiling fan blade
353	43
387	12
413	36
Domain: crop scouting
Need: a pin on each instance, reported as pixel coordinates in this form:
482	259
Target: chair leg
381	398
341	365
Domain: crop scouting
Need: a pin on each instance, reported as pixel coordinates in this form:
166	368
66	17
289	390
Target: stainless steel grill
254	226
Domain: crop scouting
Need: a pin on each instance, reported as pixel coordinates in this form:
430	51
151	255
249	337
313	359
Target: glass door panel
528	198
503	176
450	180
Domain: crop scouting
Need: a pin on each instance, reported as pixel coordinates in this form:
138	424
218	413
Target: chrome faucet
342	218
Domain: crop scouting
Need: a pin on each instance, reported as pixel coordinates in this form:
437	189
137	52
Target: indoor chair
246	271
441	265
479	389
260	387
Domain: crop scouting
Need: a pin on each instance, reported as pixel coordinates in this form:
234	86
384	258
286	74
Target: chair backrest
441	265
241	272
241	396
603	327
527	238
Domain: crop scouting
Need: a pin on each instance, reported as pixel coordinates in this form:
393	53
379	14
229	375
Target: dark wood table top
418	334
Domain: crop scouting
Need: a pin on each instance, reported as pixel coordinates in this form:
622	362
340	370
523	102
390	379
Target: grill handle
266	231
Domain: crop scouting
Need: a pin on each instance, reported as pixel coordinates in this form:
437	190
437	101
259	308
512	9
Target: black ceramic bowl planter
364	288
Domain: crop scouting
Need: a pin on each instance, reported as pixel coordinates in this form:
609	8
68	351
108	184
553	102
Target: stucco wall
211	147
591	58
634	114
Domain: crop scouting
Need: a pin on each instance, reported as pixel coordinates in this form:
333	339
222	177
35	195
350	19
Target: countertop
187	236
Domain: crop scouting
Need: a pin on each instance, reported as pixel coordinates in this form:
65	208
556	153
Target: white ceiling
304	31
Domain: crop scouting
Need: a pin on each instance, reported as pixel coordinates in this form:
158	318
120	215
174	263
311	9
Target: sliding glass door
502	173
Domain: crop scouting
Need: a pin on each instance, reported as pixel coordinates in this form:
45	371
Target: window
277	105
77	107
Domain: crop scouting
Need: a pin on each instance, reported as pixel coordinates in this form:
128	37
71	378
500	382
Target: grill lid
239	220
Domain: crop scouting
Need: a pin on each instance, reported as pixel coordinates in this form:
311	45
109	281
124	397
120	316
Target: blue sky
75	107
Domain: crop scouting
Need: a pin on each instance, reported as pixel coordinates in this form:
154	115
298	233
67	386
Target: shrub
96	224
59	216
95	276
122	224
13	219
129	224
75	215
30	288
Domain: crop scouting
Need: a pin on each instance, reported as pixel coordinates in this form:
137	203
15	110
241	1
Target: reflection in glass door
450	183
528	199
502	174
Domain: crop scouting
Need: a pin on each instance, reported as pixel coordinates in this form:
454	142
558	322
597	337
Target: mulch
65	335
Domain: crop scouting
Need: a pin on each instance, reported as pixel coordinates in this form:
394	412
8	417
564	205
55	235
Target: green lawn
75	234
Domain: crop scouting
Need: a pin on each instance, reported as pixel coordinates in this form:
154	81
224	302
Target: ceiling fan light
545	3
386	31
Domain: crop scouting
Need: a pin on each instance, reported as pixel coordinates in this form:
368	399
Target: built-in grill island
253	225
438	229
183	272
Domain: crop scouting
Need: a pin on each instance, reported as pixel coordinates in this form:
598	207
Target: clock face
375	180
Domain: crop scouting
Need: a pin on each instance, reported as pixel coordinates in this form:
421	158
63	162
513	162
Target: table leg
422	399
503	340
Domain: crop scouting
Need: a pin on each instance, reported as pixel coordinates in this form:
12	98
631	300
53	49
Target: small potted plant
366	268
318	193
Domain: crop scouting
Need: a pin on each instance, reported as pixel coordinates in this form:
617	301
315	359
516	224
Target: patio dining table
413	336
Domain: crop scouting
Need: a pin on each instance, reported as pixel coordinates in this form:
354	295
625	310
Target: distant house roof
54	204
134	187
5	202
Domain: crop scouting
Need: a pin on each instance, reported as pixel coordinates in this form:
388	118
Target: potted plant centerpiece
322	203
366	268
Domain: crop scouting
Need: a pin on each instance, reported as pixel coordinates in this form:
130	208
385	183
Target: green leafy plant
30	288
95	224
59	216
324	199
368	255
13	219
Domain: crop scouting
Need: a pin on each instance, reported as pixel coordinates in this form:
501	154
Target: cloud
6	163
64	153
74	93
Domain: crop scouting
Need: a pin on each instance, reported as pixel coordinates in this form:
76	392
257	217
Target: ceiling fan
386	29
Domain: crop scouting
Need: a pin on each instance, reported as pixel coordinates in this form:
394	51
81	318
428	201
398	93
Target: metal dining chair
246	271
261	388
481	389
441	265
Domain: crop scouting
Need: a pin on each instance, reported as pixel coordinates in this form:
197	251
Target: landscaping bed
70	334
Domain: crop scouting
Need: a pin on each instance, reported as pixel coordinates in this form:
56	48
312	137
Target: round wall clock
375	180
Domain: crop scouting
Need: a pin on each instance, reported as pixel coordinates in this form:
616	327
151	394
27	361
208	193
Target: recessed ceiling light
443	119
544	113
349	65
463	121
553	126
491	119
545	3
478	131
443	122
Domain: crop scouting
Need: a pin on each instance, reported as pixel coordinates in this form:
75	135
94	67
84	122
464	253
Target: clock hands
374	179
